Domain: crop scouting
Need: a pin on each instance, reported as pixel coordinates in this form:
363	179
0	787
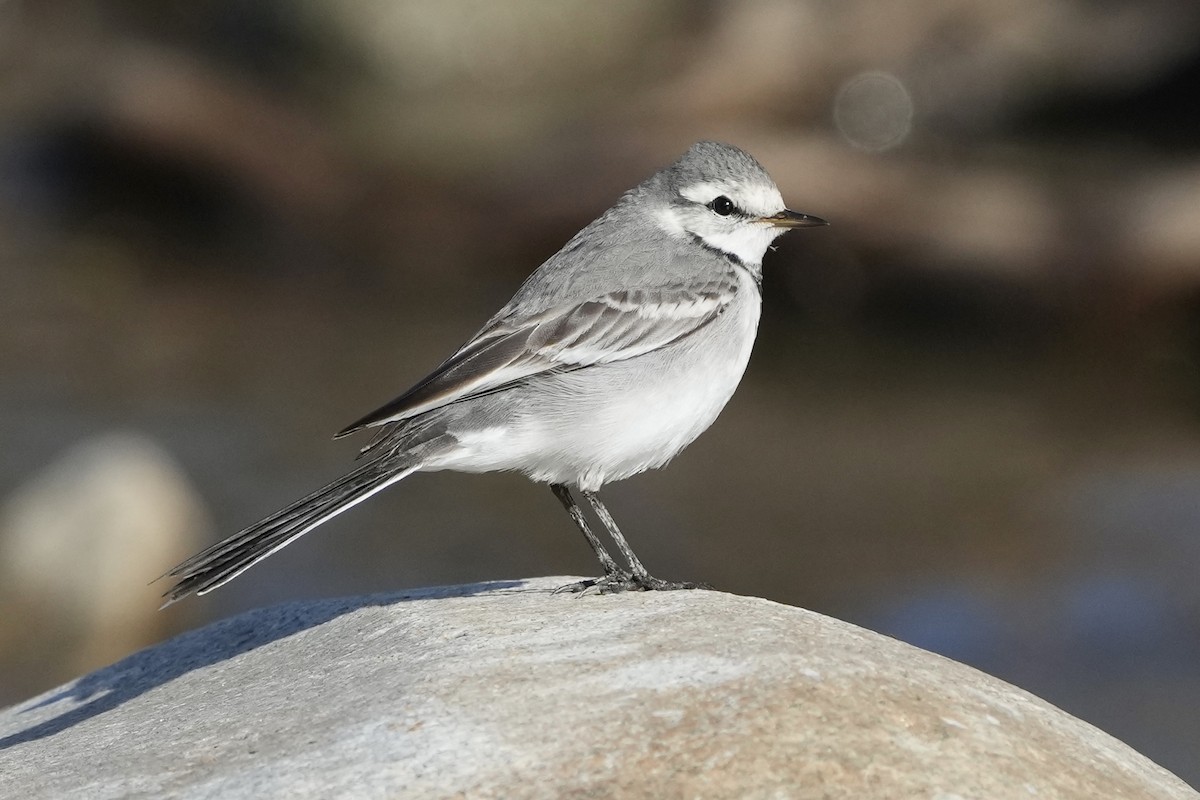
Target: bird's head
723	199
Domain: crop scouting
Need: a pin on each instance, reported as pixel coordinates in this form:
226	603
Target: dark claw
578	587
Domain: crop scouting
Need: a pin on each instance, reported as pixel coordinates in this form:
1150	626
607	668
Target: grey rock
505	690
77	543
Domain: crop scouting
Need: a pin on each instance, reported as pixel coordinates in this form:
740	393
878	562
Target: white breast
645	427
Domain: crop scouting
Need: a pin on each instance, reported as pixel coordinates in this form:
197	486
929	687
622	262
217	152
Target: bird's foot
649	583
616	582
597	585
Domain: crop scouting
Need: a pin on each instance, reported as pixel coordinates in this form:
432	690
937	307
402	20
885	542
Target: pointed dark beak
794	219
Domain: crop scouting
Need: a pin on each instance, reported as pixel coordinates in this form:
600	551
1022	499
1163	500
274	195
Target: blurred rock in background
971	418
77	542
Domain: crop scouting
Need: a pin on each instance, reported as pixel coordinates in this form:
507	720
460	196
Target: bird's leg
635	564
640	577
611	571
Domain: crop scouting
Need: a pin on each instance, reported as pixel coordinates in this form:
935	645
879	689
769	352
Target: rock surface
505	690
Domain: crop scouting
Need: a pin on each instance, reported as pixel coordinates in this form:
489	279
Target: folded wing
612	327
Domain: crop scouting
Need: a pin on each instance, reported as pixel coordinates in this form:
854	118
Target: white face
741	233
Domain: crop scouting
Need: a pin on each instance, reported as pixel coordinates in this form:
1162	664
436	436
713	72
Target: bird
612	357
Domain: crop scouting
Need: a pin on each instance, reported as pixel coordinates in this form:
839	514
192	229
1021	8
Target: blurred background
972	420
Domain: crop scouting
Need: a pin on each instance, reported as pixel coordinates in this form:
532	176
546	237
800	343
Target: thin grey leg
635	563
564	496
639	578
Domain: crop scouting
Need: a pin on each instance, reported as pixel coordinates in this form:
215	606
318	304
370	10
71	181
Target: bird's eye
722	205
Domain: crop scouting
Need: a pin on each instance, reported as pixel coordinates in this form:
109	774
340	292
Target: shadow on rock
155	666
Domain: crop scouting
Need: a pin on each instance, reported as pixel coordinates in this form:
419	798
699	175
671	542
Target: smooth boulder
506	690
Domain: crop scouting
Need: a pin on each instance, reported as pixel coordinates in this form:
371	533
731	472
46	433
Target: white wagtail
611	358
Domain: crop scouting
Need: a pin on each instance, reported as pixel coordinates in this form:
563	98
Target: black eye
722	205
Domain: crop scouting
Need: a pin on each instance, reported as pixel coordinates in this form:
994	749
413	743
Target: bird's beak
793	219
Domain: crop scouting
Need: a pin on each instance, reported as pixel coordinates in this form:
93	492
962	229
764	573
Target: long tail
229	558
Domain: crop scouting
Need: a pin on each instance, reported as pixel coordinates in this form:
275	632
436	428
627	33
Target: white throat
745	241
748	243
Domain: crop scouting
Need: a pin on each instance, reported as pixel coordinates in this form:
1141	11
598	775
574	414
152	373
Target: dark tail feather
229	558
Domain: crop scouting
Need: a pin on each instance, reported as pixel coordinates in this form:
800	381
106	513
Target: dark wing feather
474	369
